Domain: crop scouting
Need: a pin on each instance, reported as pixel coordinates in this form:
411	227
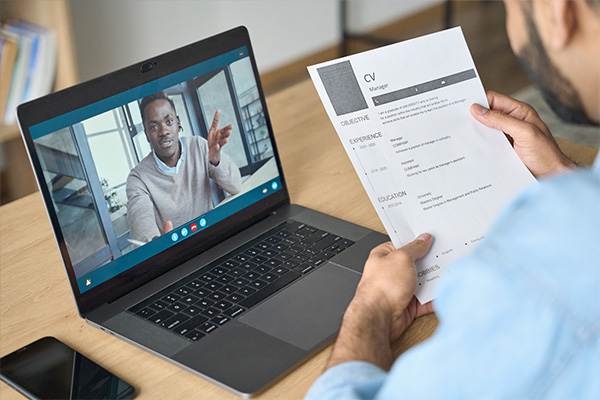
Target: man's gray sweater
154	196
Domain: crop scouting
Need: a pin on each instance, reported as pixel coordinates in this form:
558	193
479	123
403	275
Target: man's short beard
558	92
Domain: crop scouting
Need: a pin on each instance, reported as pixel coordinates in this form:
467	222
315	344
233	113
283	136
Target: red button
194	227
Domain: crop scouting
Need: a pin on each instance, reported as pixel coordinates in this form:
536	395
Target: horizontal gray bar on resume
423	87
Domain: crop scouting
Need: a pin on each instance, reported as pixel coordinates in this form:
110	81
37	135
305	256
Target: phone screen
49	369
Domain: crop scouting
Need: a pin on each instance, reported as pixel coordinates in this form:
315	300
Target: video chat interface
87	155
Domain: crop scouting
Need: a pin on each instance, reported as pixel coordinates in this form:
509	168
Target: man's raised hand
217	138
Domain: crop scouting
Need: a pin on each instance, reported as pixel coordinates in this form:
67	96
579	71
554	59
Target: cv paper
402	114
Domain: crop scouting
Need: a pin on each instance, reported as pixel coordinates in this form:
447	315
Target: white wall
111	34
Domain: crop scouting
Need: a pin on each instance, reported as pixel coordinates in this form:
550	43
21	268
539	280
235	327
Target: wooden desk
36	300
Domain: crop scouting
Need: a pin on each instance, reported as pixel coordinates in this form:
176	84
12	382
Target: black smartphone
49	369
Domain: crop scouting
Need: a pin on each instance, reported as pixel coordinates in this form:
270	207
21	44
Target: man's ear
179	124
561	21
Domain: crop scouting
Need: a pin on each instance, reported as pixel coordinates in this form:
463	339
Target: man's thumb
168	226
419	247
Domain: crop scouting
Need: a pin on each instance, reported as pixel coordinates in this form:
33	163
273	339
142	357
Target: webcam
147	67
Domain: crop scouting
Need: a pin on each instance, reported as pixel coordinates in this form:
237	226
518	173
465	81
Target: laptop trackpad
309	311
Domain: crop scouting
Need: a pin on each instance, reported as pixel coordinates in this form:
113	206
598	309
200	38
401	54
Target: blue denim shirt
519	317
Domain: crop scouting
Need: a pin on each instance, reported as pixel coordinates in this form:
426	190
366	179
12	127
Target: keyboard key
270	253
146	312
182	291
248	265
237	272
240	282
190	324
346	242
177	307
217	296
193	310
289	264
195	335
326	255
241	258
269	277
280	270
220	270
304	268
230	264
159	305
220	320
272	263
273	240
262	269
223	305
317	261
210	313
250	276
234	311
229	289
207	277
247	291
259	259
270	289
293	226
205	303
235	298
207	327
195	284
224	279
170	298
252	252
280	247
263	245
214	286
160	316
174	321
189	300
258	284
202	292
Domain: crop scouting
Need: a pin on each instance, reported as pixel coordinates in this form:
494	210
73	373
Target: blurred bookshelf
16	176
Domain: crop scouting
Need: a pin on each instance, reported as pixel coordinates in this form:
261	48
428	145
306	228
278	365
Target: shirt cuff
350	380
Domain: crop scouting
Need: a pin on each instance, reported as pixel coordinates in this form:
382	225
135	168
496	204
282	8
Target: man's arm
530	137
383	306
140	211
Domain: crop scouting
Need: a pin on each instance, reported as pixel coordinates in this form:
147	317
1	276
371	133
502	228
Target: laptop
240	286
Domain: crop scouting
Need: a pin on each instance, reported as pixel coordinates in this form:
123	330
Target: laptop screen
138	172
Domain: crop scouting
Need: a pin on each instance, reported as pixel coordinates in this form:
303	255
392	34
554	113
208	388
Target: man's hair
153	97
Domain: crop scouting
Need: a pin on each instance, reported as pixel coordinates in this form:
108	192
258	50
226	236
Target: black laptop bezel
73	98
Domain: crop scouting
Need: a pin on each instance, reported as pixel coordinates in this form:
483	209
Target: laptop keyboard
203	301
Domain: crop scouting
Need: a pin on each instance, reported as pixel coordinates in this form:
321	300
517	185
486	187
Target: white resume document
402	114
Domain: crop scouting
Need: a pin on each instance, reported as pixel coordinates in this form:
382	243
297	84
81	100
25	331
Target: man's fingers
501	121
515	109
419	247
168	226
215	122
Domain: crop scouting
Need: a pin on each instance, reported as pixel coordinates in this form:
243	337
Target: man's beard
558	92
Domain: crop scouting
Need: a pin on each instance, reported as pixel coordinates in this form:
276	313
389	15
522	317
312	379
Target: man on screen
171	186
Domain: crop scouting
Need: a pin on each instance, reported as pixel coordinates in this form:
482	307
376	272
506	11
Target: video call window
86	165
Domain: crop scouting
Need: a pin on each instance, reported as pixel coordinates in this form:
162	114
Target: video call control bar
423	87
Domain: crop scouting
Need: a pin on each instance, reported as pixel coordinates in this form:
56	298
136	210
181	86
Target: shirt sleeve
351	380
515	317
226	174
140	210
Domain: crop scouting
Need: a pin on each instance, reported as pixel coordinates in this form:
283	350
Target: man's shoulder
143	167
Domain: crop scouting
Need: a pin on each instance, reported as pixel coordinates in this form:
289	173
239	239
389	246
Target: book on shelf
27	65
